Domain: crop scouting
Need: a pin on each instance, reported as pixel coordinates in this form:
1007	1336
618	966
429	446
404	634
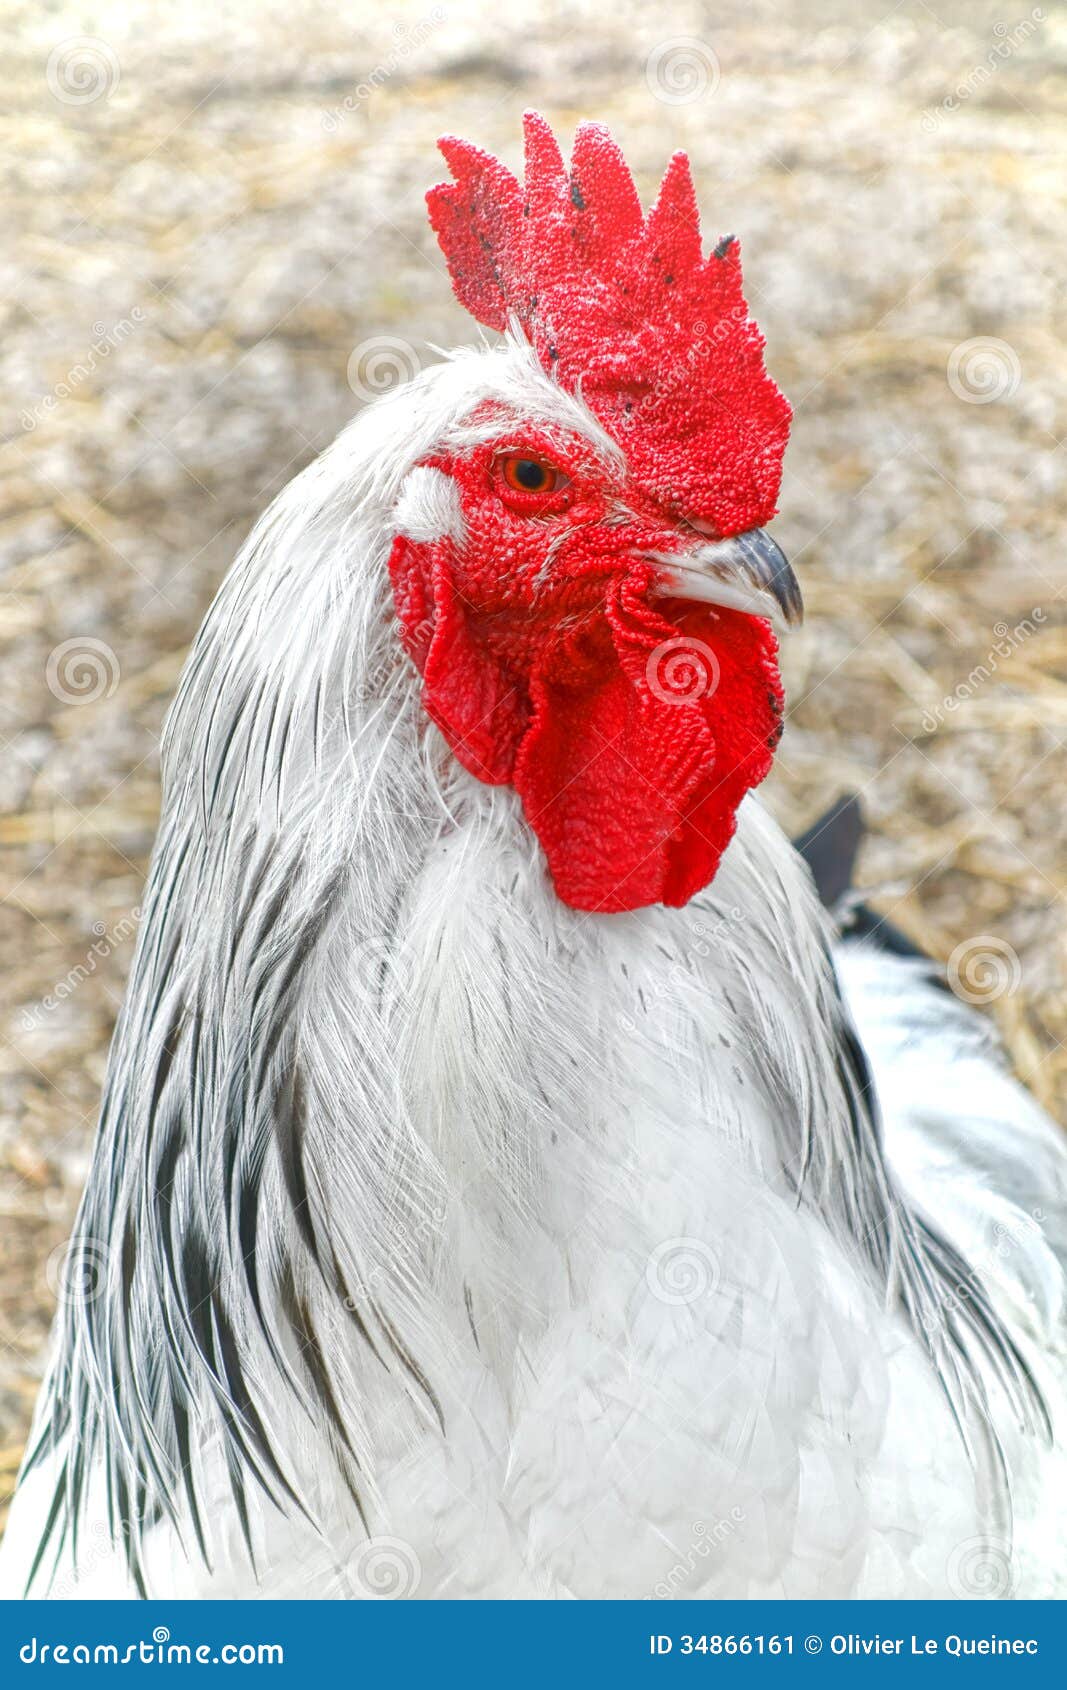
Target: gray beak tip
748	572
770	572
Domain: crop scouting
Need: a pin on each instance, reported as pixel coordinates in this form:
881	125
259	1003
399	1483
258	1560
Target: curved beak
749	572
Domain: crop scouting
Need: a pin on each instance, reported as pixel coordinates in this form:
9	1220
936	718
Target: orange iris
531	475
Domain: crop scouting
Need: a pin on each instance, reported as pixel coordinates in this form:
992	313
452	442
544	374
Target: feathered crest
625	308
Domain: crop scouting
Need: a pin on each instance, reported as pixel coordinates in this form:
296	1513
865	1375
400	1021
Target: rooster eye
530	475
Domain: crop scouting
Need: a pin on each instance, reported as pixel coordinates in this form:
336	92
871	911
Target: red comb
626	308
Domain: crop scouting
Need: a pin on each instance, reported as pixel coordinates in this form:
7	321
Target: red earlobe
482	711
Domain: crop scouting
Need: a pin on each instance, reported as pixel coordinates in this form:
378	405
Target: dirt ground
217	248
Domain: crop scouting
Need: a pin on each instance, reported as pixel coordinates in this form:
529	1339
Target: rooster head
586	588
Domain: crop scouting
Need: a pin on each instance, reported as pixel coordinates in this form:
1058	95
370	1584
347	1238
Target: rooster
493	1196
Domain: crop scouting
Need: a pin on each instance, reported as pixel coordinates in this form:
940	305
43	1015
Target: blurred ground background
217	248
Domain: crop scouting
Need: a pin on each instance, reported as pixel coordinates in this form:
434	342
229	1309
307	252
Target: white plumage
470	1245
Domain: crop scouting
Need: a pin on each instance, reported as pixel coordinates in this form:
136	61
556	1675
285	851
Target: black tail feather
830	847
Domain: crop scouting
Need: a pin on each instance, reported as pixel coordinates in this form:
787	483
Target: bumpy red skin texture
658	337
539	640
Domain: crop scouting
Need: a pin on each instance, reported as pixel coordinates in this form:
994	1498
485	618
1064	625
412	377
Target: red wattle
630	740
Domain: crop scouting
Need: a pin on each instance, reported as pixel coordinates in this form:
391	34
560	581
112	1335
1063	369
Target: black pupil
530	474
